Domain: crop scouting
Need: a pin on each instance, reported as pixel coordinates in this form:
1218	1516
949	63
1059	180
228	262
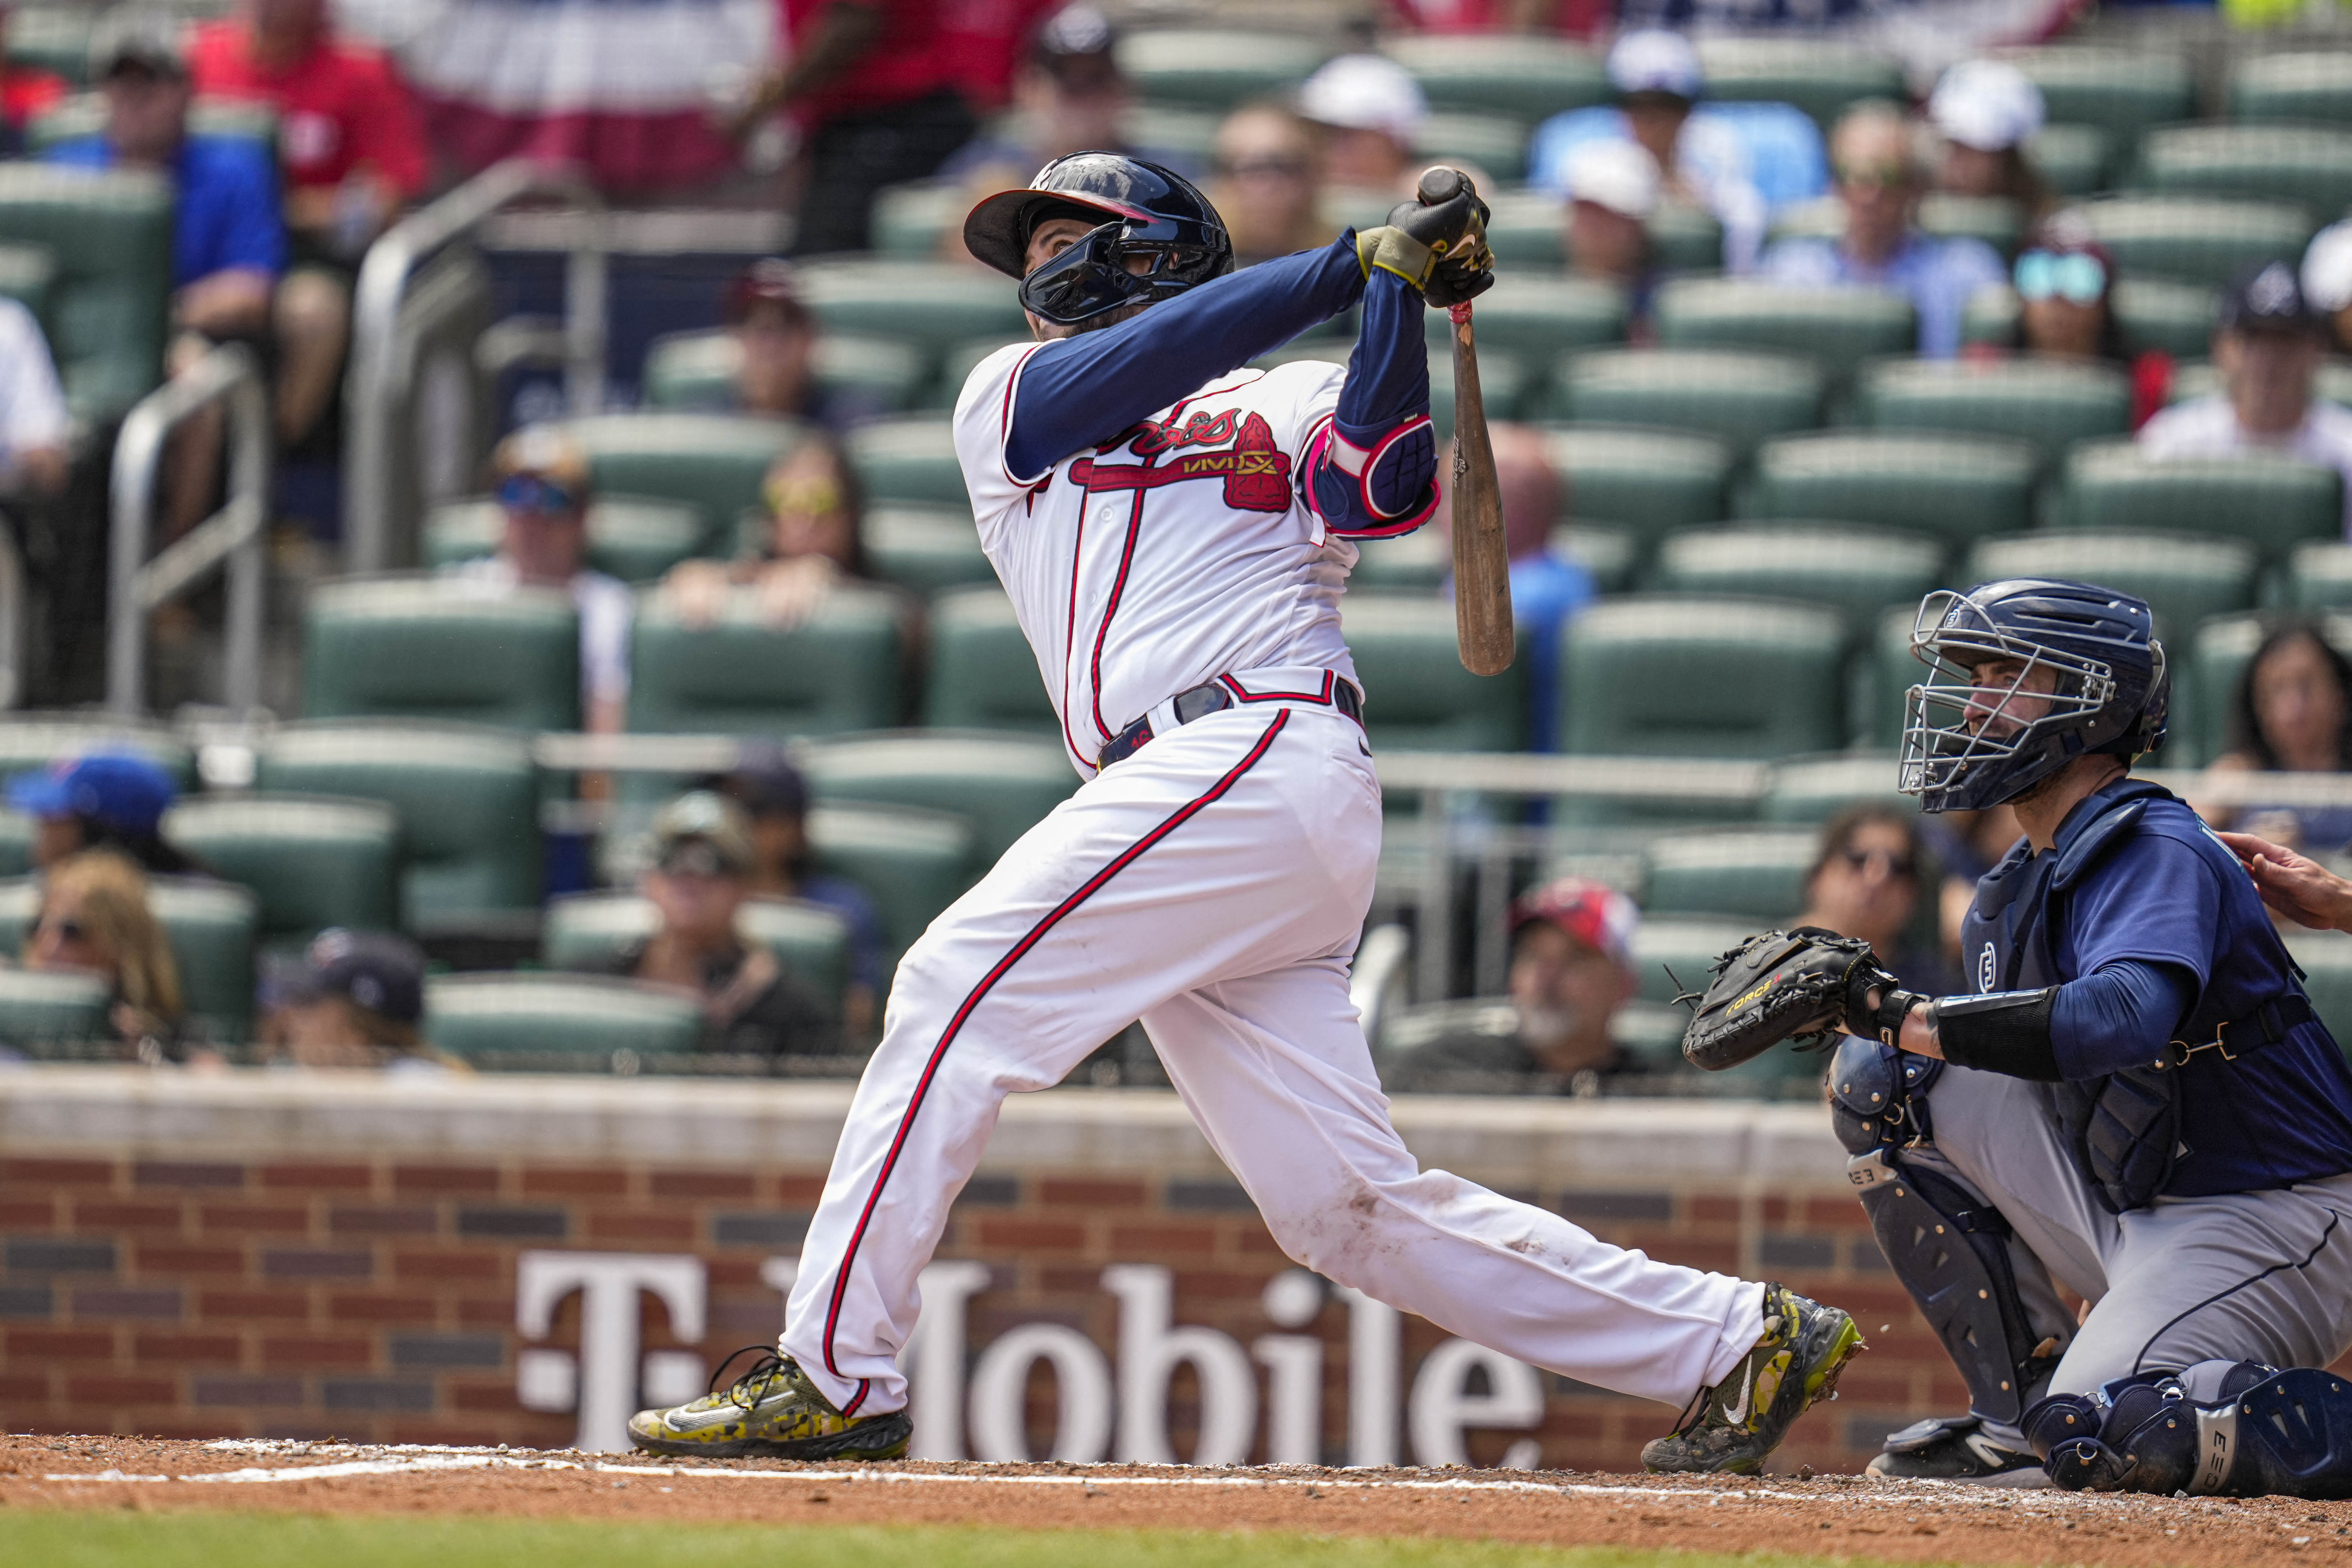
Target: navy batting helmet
2089	676
1137	208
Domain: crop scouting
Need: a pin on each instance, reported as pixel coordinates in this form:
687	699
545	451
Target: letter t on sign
608	1283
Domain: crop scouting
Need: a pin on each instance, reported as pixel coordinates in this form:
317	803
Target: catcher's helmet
2091	677
1139	209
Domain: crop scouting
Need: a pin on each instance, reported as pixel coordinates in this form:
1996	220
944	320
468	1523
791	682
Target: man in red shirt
25	94
354	151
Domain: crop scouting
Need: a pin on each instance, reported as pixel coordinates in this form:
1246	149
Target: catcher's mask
2089	678
1139	209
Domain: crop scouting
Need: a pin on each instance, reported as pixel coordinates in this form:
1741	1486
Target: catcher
2137	1103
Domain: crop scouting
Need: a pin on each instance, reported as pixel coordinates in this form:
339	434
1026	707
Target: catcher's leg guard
2270	1432
2293	1435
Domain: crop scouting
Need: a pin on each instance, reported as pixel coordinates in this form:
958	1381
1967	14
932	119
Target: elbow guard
2007	1032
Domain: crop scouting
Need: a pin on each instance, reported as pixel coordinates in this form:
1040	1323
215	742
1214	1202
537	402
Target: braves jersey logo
1149	440
1255	472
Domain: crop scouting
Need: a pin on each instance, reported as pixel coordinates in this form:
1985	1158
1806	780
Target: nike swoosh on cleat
1738	1413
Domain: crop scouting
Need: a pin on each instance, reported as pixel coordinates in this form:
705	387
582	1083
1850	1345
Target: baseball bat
1482	557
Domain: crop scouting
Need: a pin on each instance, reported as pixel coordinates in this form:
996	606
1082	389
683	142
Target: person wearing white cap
1986	111
1370	110
1656	75
2328	281
1612	192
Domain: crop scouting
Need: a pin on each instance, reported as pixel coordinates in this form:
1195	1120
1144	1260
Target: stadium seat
1821	78
1004	784
583	930
2196	239
54	38
312	861
1857	572
1815	789
110	236
927	305
1685	237
2122	91
2052	403
84	114
1216	68
2311	165
1838	328
1882	679
1665	675
695	371
1650	482
1608	554
546	1023
1531	78
1671	956
2325	960
633	538
915	862
1953	487
2319	576
1417	695
467	798
841	669
18	833
2071	159
1415	562
912	459
1757	874
2292	84
956	366
925	547
1493	143
712	462
1996	220
1536	320
210	927
27	274
983	675
1502	379
1176	128
55	1006
2172	318
406	647
34	739
909	220
2184	577
1740	398
2273	503
1524	235
2201	378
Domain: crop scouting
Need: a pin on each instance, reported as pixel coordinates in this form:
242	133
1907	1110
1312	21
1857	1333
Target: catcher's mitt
1780	986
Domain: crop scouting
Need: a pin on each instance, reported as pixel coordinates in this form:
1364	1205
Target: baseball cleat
773	1412
1734	1425
1945	1449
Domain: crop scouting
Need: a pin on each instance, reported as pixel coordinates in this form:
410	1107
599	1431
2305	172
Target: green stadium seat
2307	164
2297	84
84	114
2052	403
1838	328
633	538
912	459
1822	78
2273	503
27	274
1953	487
712	462
1502	378
54	38
31	741
1216	68
957	366
1685	237
1531	78
2325	960
840	670
1650	482
926	548
1608	554
110	234
1667	674
1881	679
2201	378
2071	159
2172	318
467	798
1002	784
1171	128
1415	562
914	862
18	833
1740	398
1539	318
1417	695
210	927
422	647
2122	91
2184	577
312	861
1996	220
1857	572
2319	576
546	1023
1757	874
695	371
584	930
909	220
2196	239
1671	956
1493	143
928	305
983	674
1813	789
57	1007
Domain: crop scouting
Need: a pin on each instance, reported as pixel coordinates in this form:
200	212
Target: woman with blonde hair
94	917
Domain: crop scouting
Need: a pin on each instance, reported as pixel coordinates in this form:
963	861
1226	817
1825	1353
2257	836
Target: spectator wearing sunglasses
94	918
2066	281
1986	111
814	541
1879	185
1865	881
1267	181
540	476
2328	281
2268	346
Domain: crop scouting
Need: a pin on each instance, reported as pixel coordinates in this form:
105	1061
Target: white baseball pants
1213	885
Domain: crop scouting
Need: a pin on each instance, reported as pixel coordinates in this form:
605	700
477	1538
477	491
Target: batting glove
1424	240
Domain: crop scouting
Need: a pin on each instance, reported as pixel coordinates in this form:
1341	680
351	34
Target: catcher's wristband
1895	1004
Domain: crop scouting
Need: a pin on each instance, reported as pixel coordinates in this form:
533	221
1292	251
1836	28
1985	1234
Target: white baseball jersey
1179	553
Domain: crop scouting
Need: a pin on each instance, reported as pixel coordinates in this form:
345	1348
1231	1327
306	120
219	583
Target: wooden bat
1482	557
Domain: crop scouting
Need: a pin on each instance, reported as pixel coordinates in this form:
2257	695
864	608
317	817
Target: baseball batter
1175	532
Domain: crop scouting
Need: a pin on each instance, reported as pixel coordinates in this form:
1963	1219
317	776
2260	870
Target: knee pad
2135	1435
1877	1095
2284	1434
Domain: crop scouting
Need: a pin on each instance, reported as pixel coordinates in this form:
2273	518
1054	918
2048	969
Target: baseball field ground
132	1502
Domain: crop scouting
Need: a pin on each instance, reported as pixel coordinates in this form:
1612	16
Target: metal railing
413	285
228	375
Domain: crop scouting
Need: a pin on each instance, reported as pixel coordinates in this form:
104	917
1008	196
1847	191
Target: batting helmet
2090	677
1137	208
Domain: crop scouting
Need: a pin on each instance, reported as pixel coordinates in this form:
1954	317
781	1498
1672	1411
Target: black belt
1216	696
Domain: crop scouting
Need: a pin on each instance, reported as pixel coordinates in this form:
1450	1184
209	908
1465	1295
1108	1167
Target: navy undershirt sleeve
1081	391
1387	386
2119	1016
